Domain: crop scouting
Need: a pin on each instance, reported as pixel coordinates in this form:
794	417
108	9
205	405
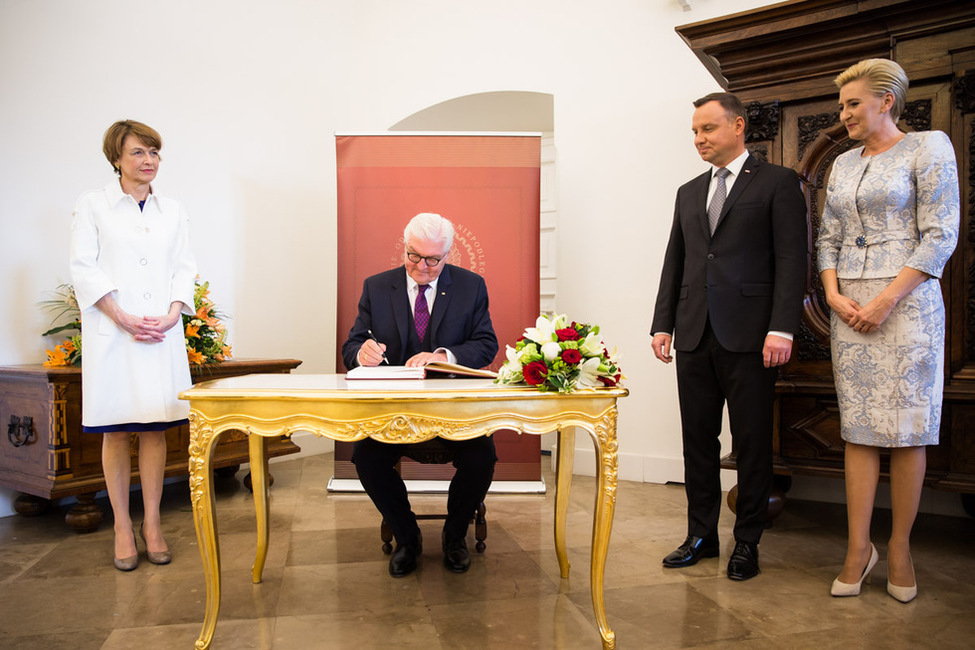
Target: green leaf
70	326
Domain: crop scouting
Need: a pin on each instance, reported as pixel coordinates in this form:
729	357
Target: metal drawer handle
20	431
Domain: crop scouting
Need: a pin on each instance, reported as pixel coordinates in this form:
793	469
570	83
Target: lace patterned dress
884	212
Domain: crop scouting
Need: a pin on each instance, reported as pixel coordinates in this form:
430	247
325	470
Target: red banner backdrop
488	186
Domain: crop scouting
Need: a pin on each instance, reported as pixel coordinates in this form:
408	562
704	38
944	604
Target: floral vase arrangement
206	336
63	305
562	356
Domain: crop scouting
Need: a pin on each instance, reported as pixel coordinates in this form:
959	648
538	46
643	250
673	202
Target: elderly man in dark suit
731	292
426	310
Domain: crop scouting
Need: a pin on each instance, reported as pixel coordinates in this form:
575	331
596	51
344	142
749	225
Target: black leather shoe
693	549
744	561
456	557
405	557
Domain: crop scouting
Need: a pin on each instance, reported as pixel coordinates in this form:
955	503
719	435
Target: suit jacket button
710	256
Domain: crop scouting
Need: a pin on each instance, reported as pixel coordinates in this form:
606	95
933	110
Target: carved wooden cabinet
46	456
781	61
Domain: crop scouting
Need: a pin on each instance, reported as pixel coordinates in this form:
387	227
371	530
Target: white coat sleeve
89	281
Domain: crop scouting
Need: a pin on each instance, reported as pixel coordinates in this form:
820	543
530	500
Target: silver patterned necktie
717	201
421	312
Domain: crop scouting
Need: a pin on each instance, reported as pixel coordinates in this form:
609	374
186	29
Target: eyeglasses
415	258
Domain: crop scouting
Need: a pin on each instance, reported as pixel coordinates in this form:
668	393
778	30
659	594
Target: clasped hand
147	329
864	320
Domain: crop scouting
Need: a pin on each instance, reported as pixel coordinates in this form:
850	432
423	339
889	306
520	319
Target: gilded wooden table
46	456
404	411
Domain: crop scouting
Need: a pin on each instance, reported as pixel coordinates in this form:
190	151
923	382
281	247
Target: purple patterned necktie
421	313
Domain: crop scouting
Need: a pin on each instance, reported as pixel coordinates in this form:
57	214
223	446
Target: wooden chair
434	452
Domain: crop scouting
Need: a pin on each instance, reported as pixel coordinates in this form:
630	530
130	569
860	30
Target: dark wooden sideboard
45	455
781	60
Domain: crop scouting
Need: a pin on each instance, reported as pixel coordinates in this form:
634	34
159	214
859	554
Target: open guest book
431	370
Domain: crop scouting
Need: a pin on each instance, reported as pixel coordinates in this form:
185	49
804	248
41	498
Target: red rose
610	381
571	356
535	373
567	334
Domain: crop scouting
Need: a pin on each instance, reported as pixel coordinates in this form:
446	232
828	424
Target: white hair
430	227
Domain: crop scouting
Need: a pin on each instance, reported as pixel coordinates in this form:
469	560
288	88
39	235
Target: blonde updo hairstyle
882	76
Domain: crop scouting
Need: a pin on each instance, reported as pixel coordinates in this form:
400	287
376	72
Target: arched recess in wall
507	110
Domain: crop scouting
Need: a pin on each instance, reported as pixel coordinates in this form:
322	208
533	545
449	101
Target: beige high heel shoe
903	594
160	557
128	563
846	589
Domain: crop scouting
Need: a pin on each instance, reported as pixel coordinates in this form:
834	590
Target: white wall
247	96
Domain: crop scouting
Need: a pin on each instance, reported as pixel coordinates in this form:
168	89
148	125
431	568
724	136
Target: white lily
588	373
543	331
591	346
511	370
513	361
510	374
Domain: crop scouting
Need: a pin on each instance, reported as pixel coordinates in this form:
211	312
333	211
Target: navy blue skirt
135	427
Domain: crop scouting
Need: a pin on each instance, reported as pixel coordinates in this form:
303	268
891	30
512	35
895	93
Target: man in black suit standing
731	292
426	310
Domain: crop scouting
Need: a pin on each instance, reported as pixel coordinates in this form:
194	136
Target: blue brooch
861	242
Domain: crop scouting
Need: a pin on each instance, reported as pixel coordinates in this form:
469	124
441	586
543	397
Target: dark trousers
375	463
706	378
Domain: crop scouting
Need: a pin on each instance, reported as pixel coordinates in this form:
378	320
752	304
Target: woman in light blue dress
889	225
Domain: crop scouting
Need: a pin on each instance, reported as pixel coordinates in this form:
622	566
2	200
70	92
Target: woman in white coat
133	274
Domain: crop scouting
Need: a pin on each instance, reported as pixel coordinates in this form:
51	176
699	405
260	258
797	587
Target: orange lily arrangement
206	336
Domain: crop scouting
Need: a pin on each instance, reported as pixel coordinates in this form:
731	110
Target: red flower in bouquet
560	356
567	334
571	356
535	373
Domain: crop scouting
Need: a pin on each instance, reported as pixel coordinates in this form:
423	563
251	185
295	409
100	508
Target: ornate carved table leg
258	454
563	480
604	437
85	516
202	443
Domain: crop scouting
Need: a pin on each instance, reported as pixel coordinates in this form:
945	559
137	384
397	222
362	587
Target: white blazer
144	259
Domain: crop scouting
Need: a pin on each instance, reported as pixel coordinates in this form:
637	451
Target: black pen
373	337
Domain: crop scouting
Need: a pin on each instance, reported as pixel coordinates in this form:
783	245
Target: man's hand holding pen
372	352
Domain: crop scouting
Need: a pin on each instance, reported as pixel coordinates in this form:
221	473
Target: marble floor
326	584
